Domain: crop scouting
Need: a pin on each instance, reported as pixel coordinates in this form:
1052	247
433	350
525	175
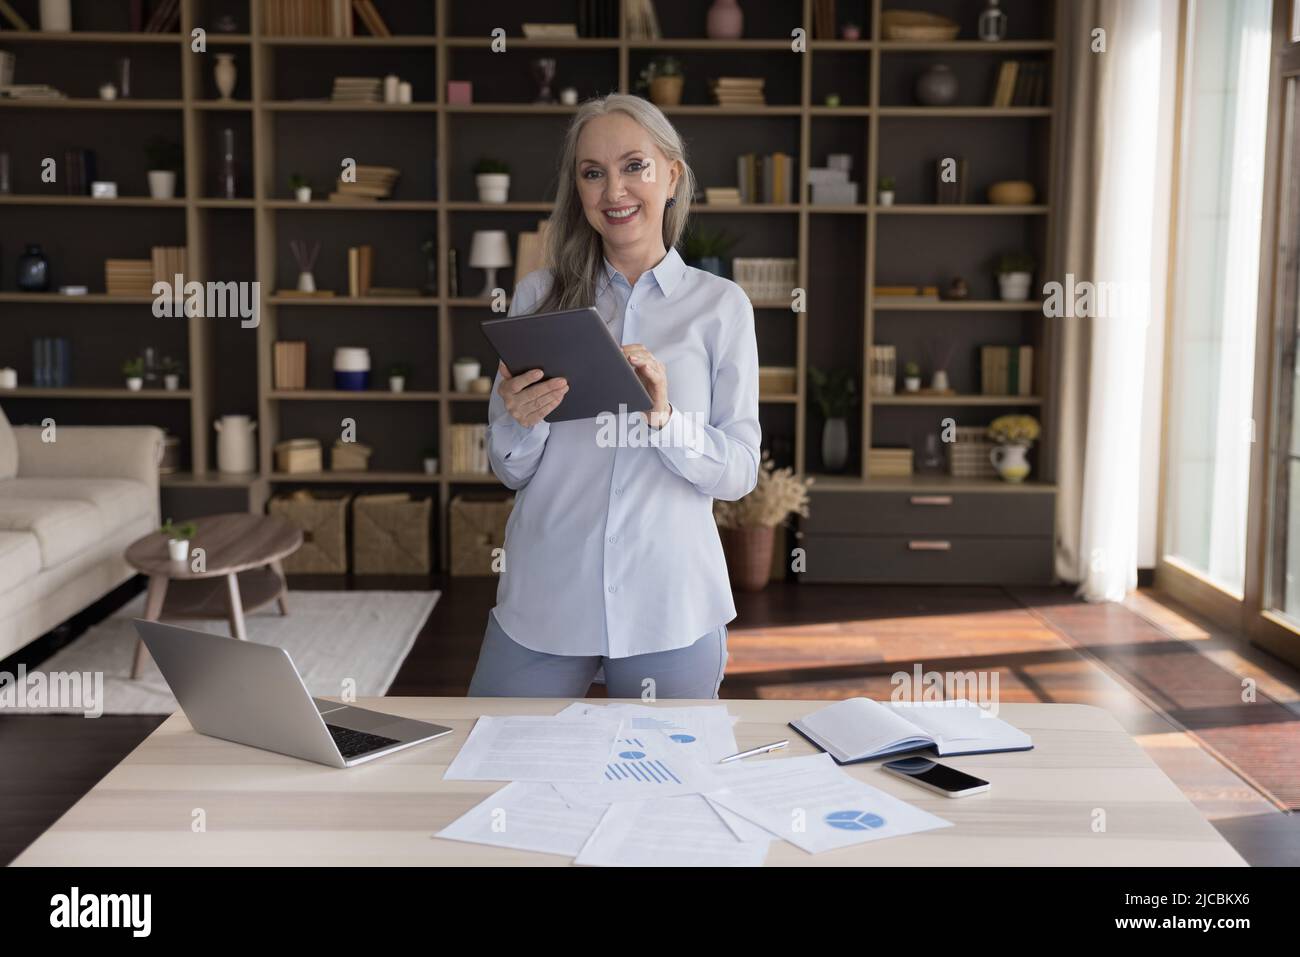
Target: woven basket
749	556
968	456
323	519
390	534
917	26
478	526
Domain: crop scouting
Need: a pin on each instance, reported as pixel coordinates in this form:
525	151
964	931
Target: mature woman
612	558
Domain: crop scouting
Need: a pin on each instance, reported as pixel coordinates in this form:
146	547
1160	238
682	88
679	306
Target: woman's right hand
527	400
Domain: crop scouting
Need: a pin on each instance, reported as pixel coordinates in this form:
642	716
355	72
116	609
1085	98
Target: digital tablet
576	345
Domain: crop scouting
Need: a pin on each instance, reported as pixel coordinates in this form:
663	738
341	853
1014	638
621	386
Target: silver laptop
251	693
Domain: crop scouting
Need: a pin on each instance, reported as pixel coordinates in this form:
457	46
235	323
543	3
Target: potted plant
171	373
178	539
1014	434
1015	273
398	373
704	248
464	371
430	460
911	377
747	526
885	194
834	394
164	162
301	188
492	177
663	79
133	369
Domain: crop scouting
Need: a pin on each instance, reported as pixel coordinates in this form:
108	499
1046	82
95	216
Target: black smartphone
936	777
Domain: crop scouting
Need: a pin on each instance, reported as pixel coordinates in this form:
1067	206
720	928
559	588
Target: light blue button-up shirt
611	548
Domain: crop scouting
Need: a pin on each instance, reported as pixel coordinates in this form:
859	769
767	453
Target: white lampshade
490	248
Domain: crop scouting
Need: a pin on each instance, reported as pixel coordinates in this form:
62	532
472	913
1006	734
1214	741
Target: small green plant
489	165
887	184
399	370
704	243
660	66
163	154
133	368
298	181
1015	262
169	366
833	392
430	452
183	532
911	370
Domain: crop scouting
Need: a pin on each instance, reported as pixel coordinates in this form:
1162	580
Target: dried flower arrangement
777	495
1014	430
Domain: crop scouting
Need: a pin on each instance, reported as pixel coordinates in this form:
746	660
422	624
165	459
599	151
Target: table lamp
489	250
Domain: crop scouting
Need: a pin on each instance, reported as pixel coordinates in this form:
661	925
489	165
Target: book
860	729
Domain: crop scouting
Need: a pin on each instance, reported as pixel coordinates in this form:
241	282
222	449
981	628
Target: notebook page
960	722
858	727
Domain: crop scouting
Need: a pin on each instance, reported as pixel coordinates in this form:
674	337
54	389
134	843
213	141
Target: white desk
265	809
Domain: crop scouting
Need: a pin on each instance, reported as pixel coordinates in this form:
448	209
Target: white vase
886	197
912	383
134	383
1014	286
463	373
939	382
396	383
56	16
306	281
302	194
178	549
430	466
225	73
171	382
235	451
162	183
835	444
1010	462
492	187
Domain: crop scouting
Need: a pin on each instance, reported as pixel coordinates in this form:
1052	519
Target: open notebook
859	729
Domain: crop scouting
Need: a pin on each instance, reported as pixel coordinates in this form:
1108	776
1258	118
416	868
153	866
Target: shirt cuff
514	441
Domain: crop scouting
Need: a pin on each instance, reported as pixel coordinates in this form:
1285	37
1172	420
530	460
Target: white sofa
68	510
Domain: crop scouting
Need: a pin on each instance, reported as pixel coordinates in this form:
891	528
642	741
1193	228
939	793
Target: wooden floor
790	641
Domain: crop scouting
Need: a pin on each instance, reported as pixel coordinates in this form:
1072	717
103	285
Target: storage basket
298	455
968	456
390	534
478	526
323	518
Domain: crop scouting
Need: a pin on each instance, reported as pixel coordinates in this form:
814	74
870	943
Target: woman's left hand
654	377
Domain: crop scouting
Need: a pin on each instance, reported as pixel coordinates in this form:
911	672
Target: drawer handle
922	545
931	499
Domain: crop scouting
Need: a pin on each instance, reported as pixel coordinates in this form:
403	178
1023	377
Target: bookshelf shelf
89	104
958	305
72	392
120	202
332	395
968	209
903	399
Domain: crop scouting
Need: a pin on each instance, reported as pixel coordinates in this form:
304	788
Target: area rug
333	637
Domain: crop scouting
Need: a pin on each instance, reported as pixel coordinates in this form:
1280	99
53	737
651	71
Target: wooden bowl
917	26
1011	192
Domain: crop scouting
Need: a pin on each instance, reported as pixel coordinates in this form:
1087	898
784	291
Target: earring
672	201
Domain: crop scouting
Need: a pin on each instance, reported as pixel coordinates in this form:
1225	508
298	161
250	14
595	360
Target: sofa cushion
62	527
8	449
20	559
117	500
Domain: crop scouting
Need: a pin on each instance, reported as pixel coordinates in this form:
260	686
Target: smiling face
624	180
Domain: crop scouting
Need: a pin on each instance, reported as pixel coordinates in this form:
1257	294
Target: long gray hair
573	249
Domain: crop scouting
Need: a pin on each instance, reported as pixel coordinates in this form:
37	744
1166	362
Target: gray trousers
509	670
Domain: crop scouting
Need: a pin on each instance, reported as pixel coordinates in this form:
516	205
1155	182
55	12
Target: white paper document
528	817
816	806
668	832
528	748
645	764
705	731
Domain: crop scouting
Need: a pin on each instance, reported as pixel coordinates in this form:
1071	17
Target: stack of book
765	278
469	449
766	177
884	370
722	195
373	182
360	260
357	89
30	91
291	364
50	362
738	90
889	462
79	171
321	18
1021	83
128	277
890	294
1007	370
168	263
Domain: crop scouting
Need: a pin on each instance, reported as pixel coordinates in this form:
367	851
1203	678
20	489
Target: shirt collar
668	272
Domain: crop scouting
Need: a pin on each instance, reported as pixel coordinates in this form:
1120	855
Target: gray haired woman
612	559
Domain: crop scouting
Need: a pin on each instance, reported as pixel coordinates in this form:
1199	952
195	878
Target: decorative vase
178	549
993	23
235	452
56	16
302	194
1010	462
352	368
850	31
835	444
306	281
33	270
749	556
464	372
937	86
226	185
171	381
1014	286
430	465
397	383
225	73
162	183
939	381
492	187
666	90
134	383
726	21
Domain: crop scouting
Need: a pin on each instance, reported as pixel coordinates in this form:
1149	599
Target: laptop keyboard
353	743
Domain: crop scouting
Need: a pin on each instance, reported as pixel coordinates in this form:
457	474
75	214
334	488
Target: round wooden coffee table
234	567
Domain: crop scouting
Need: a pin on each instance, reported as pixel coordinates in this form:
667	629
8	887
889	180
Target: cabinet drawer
927	559
931	512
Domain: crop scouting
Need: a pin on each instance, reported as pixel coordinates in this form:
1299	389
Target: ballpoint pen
761	749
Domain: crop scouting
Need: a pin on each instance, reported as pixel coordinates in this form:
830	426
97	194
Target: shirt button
611	588
618	491
612	537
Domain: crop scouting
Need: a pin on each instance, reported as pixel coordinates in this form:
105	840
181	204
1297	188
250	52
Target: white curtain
1135	118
